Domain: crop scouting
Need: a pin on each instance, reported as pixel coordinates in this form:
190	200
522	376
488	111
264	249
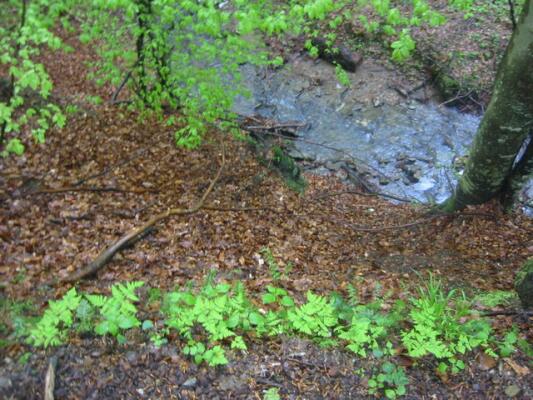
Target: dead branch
237	209
105	256
430	217
355	160
369	194
50	379
521	313
91	189
274	127
120	87
391	227
136	155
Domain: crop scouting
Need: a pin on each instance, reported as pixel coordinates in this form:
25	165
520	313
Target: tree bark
505	125
521	174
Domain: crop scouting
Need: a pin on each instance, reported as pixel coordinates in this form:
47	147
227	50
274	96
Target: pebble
512	390
5	383
189	383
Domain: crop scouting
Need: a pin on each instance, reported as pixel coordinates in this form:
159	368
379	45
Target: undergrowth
214	321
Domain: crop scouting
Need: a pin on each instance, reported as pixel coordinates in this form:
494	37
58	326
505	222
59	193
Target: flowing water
403	147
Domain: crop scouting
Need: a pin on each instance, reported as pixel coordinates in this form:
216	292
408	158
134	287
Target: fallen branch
521	313
91	189
138	153
121	86
366	194
50	379
274	127
135	234
390	227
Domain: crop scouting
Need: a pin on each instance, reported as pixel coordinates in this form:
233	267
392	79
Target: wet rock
5	382
190	383
524	284
383	180
232	382
512	390
132	357
347	59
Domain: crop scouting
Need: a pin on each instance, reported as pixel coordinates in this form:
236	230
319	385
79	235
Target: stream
404	147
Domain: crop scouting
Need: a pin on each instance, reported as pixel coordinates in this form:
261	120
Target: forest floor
117	172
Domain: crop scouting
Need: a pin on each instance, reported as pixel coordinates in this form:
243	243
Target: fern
57	319
317	317
117	312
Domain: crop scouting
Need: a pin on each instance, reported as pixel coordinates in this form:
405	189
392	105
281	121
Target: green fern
52	328
317	317
118	313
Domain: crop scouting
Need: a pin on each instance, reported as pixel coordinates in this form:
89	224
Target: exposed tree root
133	235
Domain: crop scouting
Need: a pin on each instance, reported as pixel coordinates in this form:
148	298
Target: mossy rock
288	168
524	284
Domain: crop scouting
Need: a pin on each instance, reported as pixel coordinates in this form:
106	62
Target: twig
137	154
133	235
237	209
268	382
370	194
495	313
325	146
91	189
50	380
274	127
391	227
121	86
457	97
415	223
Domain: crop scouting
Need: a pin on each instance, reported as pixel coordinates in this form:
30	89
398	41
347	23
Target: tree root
137	233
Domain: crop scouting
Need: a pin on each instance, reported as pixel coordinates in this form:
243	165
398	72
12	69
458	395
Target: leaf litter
333	238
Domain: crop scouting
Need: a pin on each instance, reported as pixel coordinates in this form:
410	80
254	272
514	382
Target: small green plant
14	320
85	315
271	394
403	47
342	76
391	380
275	270
508	344
51	330
213	356
496	298
117	312
219	310
369	328
440	328
315	318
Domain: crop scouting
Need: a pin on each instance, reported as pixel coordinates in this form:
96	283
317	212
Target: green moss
288	168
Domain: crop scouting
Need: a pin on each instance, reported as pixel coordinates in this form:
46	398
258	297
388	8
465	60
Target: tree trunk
521	174
506	123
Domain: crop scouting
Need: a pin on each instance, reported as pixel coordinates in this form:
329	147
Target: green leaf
147	325
15	146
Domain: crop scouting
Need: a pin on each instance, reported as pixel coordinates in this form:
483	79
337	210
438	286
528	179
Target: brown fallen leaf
519	369
486	362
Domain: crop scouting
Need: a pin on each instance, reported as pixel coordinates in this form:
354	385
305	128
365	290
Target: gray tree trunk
506	123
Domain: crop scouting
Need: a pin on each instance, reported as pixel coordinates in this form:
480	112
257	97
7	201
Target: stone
340	55
512	390
190	383
524	284
5	383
